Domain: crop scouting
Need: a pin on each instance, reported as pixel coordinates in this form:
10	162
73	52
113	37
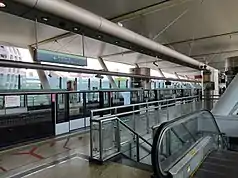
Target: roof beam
201	38
29	65
55	38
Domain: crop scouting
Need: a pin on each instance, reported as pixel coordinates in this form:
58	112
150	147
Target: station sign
60	58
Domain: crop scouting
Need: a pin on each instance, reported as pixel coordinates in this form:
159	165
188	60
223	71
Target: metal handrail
145	103
30	92
128	112
170	124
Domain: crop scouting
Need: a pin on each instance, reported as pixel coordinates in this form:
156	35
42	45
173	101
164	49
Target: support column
111	80
41	73
175	73
215	79
207	89
161	72
138	82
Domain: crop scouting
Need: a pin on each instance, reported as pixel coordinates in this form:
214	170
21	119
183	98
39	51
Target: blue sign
60	58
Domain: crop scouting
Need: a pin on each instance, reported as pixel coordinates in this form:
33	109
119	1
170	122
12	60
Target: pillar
41	73
140	82
208	86
111	80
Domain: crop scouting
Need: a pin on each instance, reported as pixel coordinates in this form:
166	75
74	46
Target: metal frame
181	120
115	116
29	65
77	17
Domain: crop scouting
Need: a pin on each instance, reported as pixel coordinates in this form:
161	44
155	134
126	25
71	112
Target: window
8	77
12	77
18	52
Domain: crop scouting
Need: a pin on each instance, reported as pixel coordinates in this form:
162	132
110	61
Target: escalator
219	164
200	151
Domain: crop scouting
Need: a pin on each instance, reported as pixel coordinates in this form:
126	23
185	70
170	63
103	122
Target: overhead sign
60	58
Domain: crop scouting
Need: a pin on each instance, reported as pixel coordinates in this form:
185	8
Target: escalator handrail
159	135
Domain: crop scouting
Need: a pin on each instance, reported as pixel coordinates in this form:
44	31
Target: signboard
12	101
60	58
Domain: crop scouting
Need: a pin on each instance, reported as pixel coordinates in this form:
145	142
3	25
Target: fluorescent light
2	5
76	29
120	24
45	19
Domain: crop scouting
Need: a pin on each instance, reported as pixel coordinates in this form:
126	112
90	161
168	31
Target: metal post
100	142
91	135
134	119
137	149
118	141
19	82
147	119
167	111
83	48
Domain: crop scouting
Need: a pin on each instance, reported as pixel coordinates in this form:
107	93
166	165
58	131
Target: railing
123	136
175	139
108	140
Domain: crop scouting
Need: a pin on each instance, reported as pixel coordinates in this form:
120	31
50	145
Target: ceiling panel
113	8
21	32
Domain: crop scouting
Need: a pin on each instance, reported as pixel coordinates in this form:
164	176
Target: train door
62	112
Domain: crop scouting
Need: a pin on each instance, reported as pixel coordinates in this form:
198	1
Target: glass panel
92	102
180	137
61	108
76	107
109	134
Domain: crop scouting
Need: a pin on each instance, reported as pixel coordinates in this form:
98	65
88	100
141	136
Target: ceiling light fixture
120	24
2	5
45	19
76	29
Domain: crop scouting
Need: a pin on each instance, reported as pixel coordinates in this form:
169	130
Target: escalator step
208	174
230	172
225	155
223	162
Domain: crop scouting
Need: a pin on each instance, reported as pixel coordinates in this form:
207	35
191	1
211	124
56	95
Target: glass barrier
113	136
140	118
174	138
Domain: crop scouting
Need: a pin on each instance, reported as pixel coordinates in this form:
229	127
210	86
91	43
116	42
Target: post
91	135
134	119
137	149
147	119
208	87
118	137
100	142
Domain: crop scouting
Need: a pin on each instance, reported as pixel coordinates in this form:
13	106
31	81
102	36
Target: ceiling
206	30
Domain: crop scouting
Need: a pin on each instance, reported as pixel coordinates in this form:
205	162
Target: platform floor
60	158
15	158
79	167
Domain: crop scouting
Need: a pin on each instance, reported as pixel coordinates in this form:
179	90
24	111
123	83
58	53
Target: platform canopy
206	30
